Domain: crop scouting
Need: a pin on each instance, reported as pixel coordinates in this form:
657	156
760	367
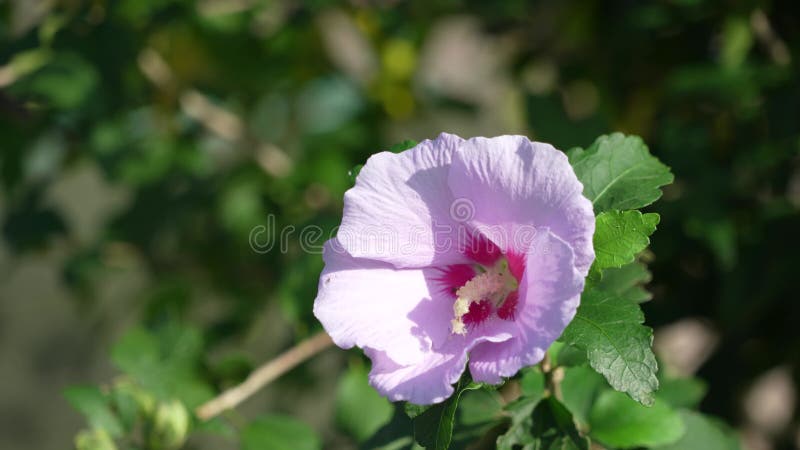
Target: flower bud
170	425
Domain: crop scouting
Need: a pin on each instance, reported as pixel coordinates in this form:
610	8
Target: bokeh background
141	141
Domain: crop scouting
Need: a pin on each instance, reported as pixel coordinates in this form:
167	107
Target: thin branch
553	375
264	375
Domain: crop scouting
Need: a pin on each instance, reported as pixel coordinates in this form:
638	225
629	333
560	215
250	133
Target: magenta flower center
491	290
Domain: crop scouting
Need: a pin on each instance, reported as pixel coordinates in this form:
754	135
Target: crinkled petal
515	186
430	380
365	303
549	295
399	209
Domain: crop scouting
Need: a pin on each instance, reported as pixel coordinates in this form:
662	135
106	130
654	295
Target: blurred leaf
95	406
279	433
532	382
327	103
353	173
703	433
619	236
682	392
360	410
29	225
65	82
618	421
395	435
617	344
618	172
478	407
403	146
166	364
737	39
579	388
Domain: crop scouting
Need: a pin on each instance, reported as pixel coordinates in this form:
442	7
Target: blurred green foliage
195	121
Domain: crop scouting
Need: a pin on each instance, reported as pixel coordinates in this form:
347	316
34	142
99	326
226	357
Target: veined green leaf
618	172
617	345
620	235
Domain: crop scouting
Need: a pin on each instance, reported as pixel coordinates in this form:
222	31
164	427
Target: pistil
481	295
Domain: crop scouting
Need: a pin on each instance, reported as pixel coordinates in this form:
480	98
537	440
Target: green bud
97	439
170	425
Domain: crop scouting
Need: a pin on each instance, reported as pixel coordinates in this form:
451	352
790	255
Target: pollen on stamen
482	288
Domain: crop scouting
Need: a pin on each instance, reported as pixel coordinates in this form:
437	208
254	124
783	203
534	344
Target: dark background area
142	141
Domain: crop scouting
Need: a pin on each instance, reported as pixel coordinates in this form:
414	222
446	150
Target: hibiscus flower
456	252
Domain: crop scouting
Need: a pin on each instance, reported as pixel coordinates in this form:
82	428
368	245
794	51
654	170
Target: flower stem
263	375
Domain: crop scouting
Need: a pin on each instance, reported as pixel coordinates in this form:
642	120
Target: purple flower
456	250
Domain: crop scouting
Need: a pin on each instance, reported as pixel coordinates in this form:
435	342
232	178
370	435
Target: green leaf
96	407
519	429
395	435
682	392
620	235
433	428
479	407
360	410
165	363
520	411
478	419
532	383
65	82
626	282
566	355
703	433
579	388
618	421
554	428
618	172
279	433
617	345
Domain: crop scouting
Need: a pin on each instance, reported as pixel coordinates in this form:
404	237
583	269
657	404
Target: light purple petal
364	303
549	295
515	185
399	209
430	380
